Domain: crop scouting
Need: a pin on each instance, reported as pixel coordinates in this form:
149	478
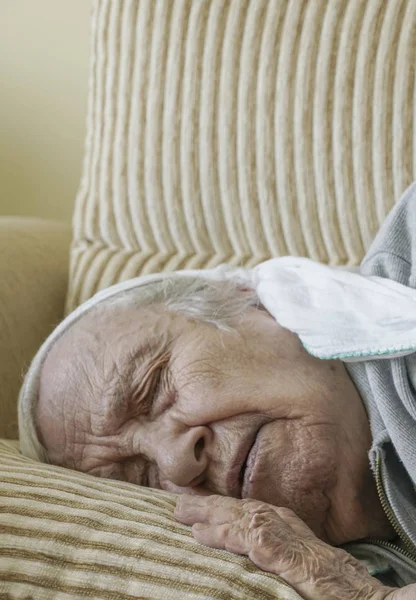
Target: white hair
219	303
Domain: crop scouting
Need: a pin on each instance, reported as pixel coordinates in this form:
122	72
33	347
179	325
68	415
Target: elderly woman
279	402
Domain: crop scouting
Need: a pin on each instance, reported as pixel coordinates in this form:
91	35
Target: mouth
248	467
241	467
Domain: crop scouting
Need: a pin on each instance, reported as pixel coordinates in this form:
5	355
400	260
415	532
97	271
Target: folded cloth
336	313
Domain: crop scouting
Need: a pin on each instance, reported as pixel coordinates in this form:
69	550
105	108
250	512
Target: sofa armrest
34	258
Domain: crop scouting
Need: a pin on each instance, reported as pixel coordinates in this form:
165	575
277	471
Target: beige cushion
34	257
66	535
232	131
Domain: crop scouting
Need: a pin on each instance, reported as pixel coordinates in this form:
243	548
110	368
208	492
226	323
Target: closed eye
164	393
147	385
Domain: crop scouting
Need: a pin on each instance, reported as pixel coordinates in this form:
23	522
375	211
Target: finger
217	509
227	536
209	509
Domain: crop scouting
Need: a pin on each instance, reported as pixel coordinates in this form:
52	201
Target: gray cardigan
388	390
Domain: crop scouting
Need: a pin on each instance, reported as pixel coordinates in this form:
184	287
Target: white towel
336	313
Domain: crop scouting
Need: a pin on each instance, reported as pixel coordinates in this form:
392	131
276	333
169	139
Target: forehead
97	357
96	350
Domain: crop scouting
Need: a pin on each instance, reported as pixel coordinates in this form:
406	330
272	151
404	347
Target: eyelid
168	401
165	394
145	385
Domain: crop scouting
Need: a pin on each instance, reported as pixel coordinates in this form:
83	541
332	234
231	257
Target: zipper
409	551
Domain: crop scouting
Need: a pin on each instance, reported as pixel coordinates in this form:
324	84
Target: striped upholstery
66	535
235	130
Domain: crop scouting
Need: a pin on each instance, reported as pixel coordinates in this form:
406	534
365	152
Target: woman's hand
277	541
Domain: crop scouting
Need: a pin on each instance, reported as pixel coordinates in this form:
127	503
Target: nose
182	459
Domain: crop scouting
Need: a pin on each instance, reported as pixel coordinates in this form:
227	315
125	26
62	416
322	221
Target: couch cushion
66	535
33	284
232	131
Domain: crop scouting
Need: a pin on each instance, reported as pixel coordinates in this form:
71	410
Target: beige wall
44	48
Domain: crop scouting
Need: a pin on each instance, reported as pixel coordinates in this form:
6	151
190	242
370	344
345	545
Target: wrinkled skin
149	397
277	541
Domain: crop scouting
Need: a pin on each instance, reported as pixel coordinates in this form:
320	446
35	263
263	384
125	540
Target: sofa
218	131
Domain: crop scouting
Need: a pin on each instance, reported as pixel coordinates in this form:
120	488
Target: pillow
66	535
231	132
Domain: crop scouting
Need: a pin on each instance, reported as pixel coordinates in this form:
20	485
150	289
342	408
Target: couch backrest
236	130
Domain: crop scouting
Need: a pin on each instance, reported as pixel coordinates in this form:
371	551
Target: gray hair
220	303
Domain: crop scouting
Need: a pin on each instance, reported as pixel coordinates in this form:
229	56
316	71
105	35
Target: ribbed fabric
236	130
65	535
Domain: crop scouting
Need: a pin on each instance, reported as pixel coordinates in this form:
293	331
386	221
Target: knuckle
258	520
261	529
262	538
256	506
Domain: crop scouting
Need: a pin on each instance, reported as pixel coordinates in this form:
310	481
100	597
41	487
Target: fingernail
199	526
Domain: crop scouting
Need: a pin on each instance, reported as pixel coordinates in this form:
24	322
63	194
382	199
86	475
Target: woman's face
161	401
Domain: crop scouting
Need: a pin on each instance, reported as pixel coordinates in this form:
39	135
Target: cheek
297	469
212	382
202	405
226	384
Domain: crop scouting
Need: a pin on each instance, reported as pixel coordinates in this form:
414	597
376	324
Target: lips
249	467
241	467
